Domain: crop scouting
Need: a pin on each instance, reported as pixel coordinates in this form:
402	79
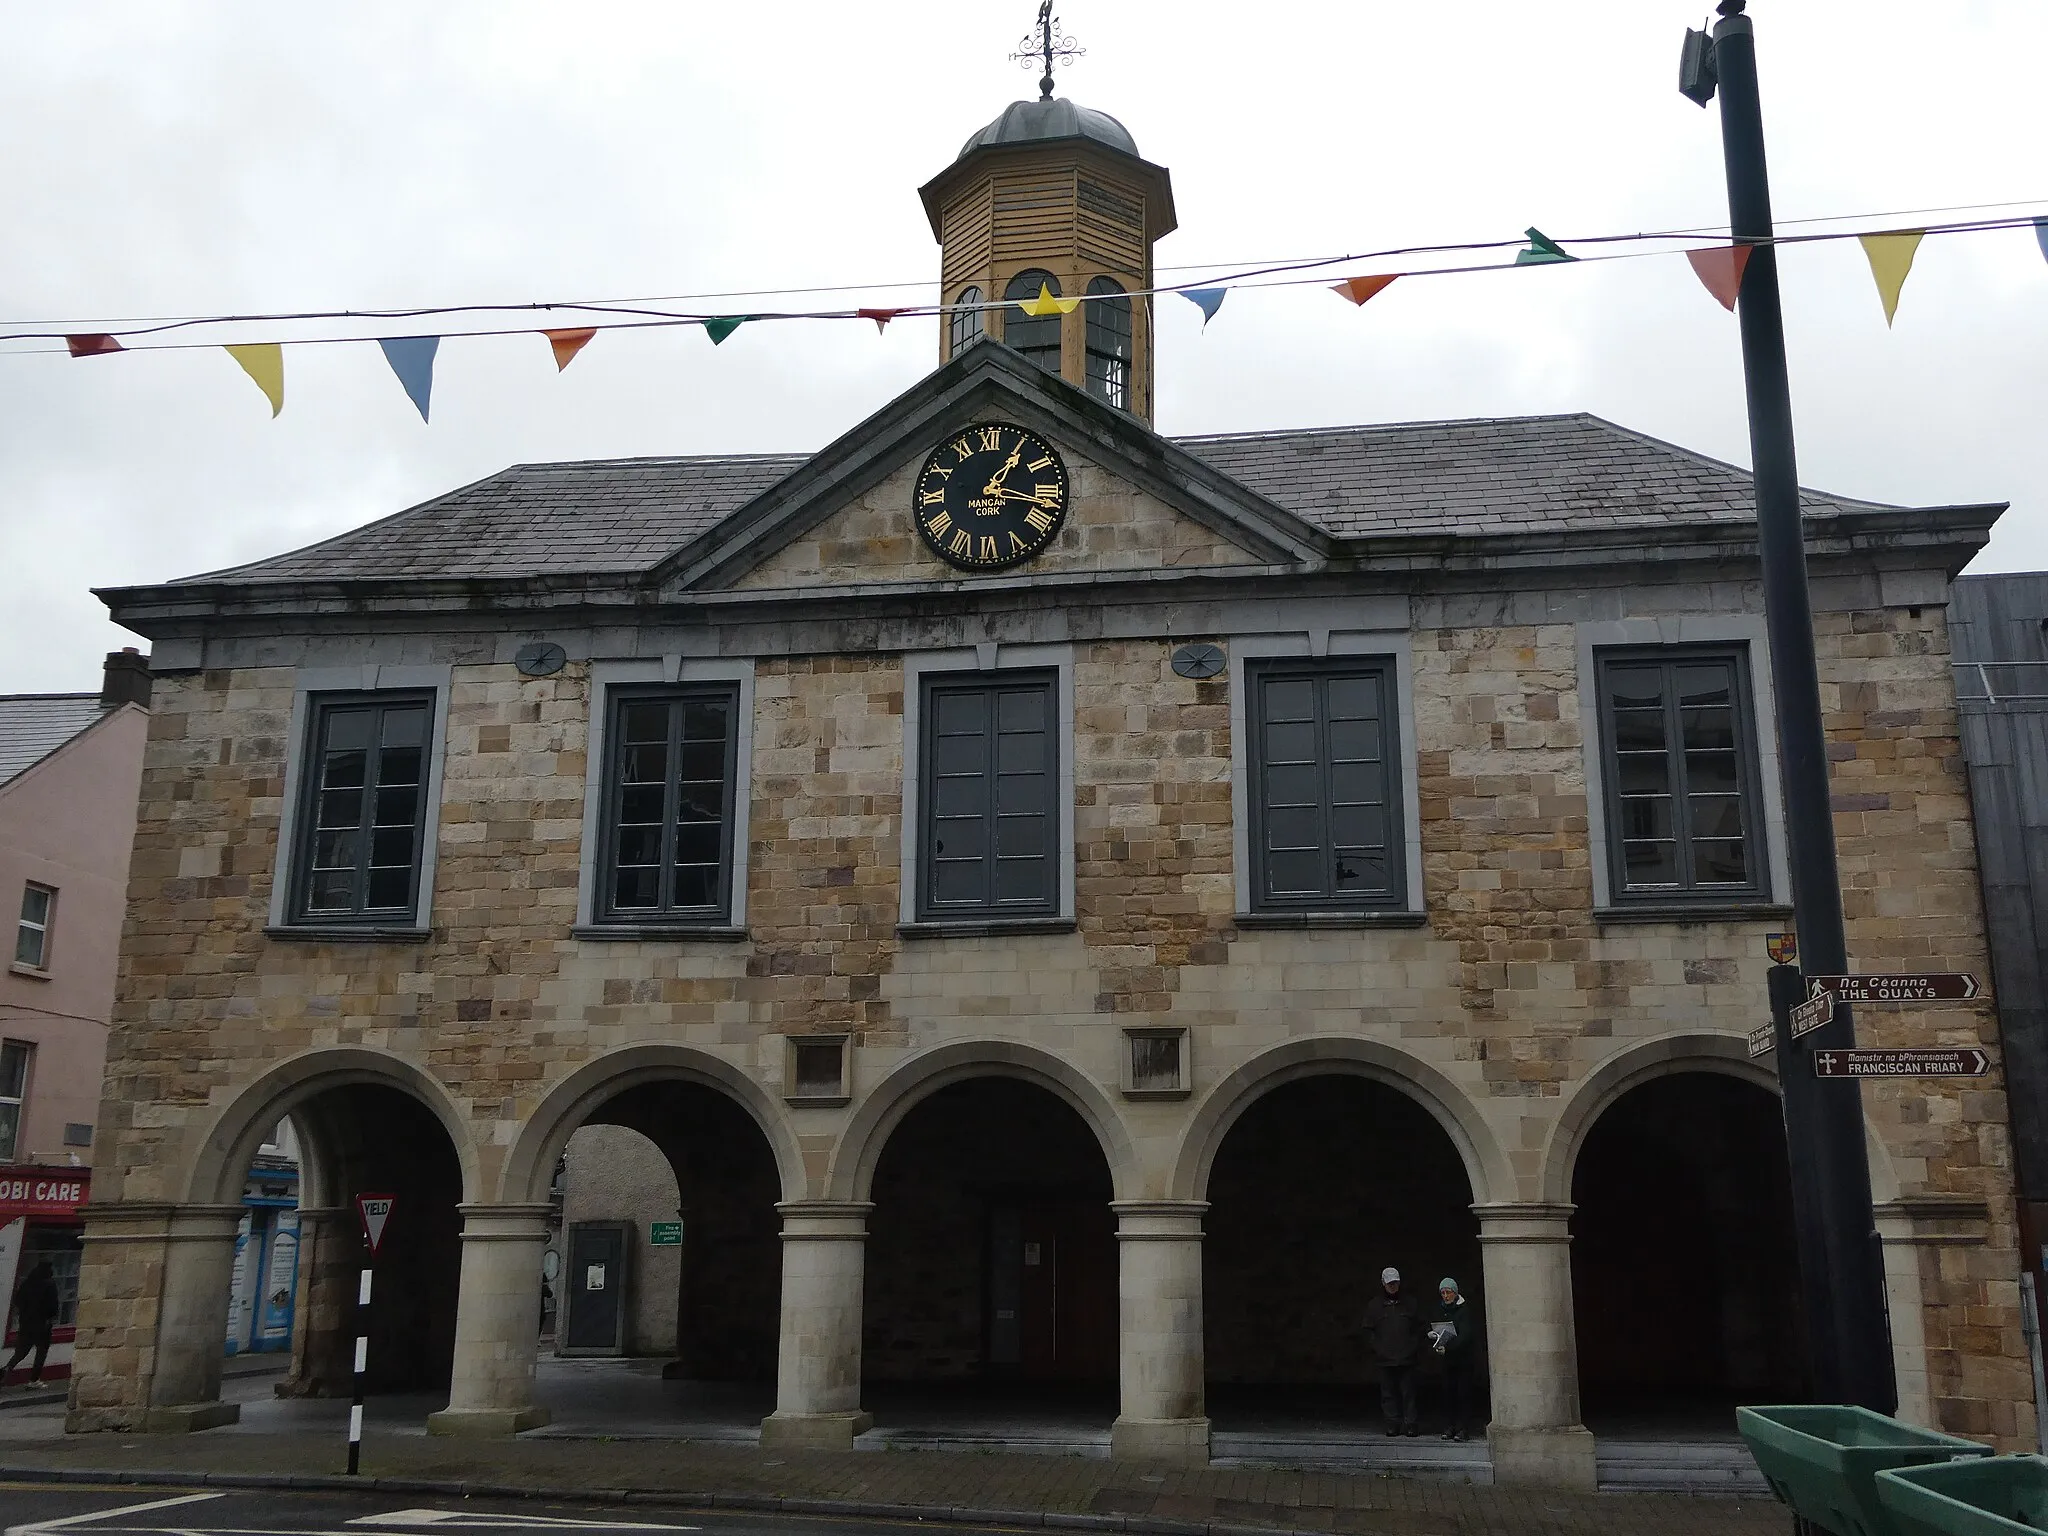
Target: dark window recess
965	322
1155	1063
818	1067
1036	336
77	1134
1109	342
1682	806
668	805
1326	829
991	824
363	817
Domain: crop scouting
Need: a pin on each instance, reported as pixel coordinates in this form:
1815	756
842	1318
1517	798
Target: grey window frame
618	698
320	707
992	684
1258	671
1021	289
1108	345
18	1097
965	323
24	926
1755	839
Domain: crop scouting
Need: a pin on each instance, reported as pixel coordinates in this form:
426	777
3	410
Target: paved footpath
1062	1491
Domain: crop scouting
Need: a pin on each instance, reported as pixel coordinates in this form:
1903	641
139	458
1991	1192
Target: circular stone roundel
1198	661
543	658
992	497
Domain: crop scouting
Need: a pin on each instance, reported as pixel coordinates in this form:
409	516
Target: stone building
1070	904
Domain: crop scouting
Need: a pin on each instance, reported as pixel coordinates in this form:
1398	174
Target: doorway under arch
1685	1271
1318	1186
991	1252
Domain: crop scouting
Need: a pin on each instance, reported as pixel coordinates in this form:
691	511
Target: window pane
399	765
1701	685
13	1069
397	807
336	850
962	837
639	845
638	887
405	727
696	885
1636	687
1642	773
1021	794
703	762
1295	874
10	1125
1021	711
1020	752
350	729
641	804
644	722
1291	784
1708	729
343	770
35	904
1294	827
1290	699
1716	815
1361	873
1290	743
1651	864
1639	730
333	890
391	846
1646	816
1359	826
644	763
698	843
1354	698
1020	836
28	946
1020	880
960	754
956	883
389	889
1720	861
1711	772
1354	740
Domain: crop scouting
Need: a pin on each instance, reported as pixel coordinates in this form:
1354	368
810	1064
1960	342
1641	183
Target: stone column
1532	1348
817	1373
323	1338
497	1323
192	1326
1159	1331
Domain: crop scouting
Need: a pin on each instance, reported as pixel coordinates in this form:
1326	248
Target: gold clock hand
995	482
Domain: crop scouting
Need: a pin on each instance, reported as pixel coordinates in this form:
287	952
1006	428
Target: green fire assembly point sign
665	1234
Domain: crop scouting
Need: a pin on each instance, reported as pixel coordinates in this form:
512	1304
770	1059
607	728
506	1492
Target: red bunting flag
92	346
1721	267
1359	289
567	344
881	317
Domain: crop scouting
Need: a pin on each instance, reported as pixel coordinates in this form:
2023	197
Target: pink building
70	771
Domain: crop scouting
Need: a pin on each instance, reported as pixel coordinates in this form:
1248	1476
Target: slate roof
33	725
1474	478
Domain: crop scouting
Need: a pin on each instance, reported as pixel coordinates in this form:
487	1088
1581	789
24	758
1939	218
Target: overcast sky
240	156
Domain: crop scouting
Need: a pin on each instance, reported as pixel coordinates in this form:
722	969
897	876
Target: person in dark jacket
1452	1329
35	1317
1393	1323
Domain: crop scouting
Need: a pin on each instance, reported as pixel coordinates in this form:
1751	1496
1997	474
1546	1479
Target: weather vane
1047	45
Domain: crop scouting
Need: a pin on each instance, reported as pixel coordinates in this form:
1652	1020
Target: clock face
991	497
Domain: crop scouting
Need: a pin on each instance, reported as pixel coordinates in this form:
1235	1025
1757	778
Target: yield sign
374	1211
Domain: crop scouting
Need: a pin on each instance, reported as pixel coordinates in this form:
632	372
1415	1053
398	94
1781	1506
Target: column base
814	1431
485	1423
186	1418
1544	1458
1177	1440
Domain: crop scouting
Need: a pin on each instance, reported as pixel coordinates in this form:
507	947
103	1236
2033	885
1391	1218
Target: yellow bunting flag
1359	289
567	344
1891	258
1721	267
263	361
1046	304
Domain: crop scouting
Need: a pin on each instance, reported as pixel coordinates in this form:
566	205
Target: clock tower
1054	199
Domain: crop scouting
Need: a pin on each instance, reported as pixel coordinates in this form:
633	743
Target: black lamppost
1841	1261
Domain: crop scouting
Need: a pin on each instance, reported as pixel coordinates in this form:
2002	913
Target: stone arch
237	1130
547	1130
1485	1167
860	1145
1664	1056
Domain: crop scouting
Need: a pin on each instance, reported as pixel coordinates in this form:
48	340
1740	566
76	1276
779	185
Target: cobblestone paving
934	1481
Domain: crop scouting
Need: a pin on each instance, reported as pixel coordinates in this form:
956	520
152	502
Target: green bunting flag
1541	249
723	327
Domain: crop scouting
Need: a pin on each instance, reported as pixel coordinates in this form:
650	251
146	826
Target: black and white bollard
355	1409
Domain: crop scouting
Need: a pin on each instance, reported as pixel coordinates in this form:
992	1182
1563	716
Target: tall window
965	323
990	781
1325	813
1109	341
364	810
14	1059
1683	819
669	805
1036	336
32	937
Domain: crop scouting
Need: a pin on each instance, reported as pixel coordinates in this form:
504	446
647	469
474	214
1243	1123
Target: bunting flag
2041	234
1891	258
566	344
1359	289
1046	304
92	346
723	327
881	317
263	361
1209	300
1541	249
1721	267
412	359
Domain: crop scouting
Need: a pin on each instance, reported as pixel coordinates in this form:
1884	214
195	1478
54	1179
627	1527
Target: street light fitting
1697	77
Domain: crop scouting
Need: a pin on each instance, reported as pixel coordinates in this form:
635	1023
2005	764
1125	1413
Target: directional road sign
1763	1039
1810	1015
1921	987
1968	1061
374	1211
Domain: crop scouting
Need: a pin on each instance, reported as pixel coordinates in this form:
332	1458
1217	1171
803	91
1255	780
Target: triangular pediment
1135	501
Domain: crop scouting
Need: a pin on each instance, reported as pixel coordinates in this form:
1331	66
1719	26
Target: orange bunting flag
881	317
1359	289
92	346
566	344
1721	267
1891	258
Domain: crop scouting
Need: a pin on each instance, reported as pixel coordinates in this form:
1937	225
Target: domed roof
1030	122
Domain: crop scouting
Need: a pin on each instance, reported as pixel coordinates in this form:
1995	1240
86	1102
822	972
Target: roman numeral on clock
988	548
991	437
1039	522
937	526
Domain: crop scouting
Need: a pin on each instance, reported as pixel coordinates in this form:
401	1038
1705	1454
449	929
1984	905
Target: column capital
504	1223
824	1220
1159	1221
1524	1222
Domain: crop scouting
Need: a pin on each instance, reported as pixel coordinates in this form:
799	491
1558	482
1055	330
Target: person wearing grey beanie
1451	1330
1394	1325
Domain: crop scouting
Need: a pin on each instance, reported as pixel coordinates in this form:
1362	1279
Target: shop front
40	1223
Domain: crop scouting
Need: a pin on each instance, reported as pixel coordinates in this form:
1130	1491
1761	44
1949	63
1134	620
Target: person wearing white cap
1393	1323
1450	1336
